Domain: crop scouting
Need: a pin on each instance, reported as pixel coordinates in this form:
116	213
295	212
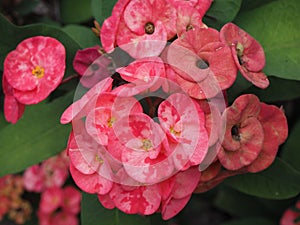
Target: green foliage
271	94
75	11
275	26
37	136
82	35
290	150
279	181
102	9
251	221
221	12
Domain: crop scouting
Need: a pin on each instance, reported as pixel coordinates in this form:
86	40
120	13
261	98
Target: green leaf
82	35
276	27
251	221
279	181
273	94
35	137
290	150
240	85
229	200
102	9
252	4
15	34
221	12
93	213
75	11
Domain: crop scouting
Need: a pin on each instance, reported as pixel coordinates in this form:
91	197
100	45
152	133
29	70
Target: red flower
290	217
188	18
31	72
253	133
59	206
13	110
91	65
248	54
201	5
203	63
141	28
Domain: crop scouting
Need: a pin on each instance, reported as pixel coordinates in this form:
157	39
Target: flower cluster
52	172
31	72
11	201
154	125
160	128
58	204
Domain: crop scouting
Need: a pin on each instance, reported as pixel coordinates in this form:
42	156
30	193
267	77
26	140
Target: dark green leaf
290	150
82	35
102	9
251	221
279	90
276	27
231	202
14	35
279	181
93	213
75	11
252	4
221	12
240	85
35	137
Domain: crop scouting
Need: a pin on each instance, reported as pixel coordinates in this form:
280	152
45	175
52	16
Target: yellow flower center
175	132
147	144
111	121
38	72
99	159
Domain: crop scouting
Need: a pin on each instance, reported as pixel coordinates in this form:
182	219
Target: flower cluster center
240	51
147	144
38	72
201	64
149	28
235	133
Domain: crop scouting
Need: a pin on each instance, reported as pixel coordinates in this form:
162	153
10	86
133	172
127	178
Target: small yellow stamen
99	159
38	72
175	132
111	121
240	49
147	144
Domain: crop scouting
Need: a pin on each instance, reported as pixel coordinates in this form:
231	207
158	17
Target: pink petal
253	54
80	108
63	218
145	45
137	14
72	200
187	18
51	199
144	200
91	183
106	201
45	52
109	29
252	136
33	179
275	119
186	182
173	206
13	110
184	121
